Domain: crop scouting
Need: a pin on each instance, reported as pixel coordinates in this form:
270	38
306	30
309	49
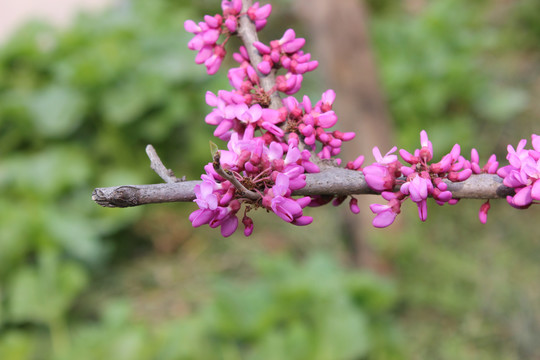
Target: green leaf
213	149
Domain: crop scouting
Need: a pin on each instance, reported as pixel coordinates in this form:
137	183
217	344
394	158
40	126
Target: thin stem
157	165
230	177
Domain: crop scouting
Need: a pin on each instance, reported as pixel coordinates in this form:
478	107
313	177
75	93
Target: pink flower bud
262	48
192	27
483	212
353	205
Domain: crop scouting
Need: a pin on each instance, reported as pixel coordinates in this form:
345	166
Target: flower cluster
311	124
416	181
208	32
523	173
286	53
263	164
283	53
270	173
231	115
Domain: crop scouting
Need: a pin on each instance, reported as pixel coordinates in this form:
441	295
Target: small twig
230	177
157	165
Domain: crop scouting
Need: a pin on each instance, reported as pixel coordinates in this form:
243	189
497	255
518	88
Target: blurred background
83	92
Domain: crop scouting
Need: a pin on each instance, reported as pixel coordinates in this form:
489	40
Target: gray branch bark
335	181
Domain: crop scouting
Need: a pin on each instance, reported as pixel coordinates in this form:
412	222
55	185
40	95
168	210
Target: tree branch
330	181
336	181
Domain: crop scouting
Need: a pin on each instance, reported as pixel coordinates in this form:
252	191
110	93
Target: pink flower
489	168
385	214
426	152
229	224
482	214
248	225
387	159
378	177
353	205
207	34
231	10
418	189
286	208
206	199
356	164
259	14
523	173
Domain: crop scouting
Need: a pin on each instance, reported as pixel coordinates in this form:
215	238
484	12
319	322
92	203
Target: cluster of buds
417	181
232	115
310	123
283	53
523	173
286	53
256	175
208	32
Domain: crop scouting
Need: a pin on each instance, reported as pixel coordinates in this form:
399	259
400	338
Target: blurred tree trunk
339	33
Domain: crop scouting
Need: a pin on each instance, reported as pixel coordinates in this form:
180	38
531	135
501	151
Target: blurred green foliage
313	310
439	71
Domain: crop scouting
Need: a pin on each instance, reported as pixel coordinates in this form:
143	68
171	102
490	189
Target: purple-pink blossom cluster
417	181
285	53
208	32
271	172
523	173
231	114
311	123
263	156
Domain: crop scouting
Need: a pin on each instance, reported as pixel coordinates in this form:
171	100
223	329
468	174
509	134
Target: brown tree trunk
339	32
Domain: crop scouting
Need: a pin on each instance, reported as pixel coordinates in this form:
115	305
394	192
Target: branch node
230	177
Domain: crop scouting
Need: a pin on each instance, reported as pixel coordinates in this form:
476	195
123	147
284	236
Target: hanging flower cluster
270	145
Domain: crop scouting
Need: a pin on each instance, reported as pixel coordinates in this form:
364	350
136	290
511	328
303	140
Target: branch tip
157	165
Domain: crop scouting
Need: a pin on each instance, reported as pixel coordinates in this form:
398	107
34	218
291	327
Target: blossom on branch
523	173
208	32
416	181
271	172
